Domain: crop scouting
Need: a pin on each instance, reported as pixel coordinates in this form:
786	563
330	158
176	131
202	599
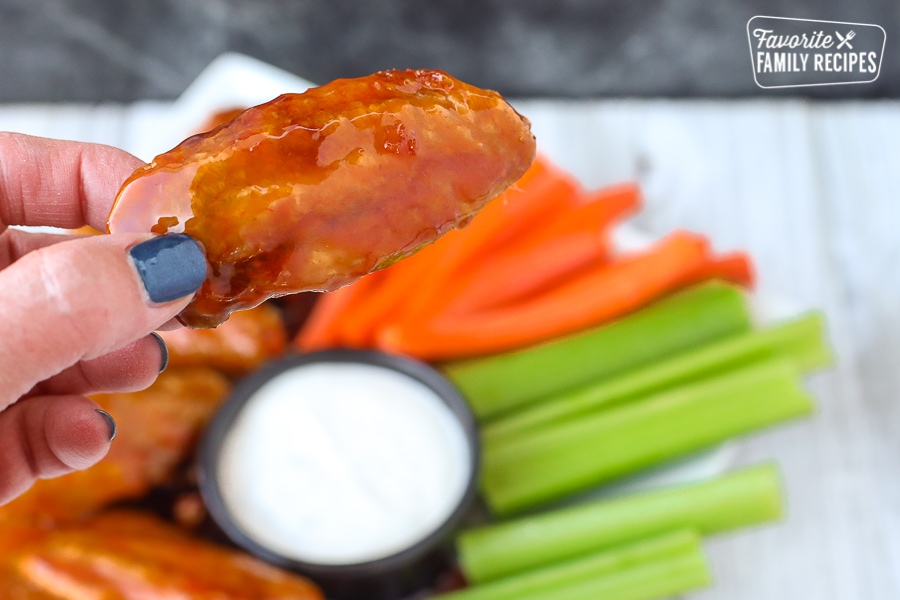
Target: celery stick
737	499
657	579
579	454
801	342
551	578
500	383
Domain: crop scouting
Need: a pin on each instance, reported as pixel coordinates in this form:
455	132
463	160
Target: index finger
59	183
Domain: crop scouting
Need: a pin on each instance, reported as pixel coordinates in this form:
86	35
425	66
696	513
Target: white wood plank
810	190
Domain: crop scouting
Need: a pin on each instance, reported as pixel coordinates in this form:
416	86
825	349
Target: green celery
501	383
576	455
734	500
650	581
800	341
549	580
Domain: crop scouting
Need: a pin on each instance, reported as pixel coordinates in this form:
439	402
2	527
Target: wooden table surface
812	192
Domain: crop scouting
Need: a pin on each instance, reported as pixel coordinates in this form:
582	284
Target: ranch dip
338	463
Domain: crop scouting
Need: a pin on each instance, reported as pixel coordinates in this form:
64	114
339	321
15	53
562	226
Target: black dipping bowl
392	577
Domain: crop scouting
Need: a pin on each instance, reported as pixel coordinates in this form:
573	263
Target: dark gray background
109	50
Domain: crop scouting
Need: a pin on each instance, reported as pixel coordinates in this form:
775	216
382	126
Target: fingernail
171	266
163	349
113	430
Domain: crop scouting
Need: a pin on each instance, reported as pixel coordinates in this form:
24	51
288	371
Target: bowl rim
214	434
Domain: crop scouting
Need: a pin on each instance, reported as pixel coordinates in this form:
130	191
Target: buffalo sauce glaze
312	191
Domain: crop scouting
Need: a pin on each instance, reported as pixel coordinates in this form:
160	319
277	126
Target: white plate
230	81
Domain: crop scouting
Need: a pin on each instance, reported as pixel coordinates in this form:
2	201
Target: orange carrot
351	325
531	204
621	200
589	211
320	330
577	238
513	277
547	194
736	267
589	298
359	322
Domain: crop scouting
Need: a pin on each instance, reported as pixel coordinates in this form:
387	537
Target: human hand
75	314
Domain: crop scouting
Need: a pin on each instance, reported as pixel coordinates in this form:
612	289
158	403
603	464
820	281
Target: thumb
83	298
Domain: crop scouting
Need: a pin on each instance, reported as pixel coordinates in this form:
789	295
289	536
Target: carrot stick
590	213
621	199
359	325
736	267
574	240
512	278
321	328
547	193
501	221
521	210
523	207
352	324
599	294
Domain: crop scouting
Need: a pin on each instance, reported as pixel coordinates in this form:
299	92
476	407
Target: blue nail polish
110	422
164	362
171	266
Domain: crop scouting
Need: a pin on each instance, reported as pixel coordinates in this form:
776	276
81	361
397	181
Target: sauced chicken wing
132	556
157	430
312	191
243	343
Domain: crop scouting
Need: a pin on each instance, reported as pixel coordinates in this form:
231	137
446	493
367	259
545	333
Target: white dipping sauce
340	463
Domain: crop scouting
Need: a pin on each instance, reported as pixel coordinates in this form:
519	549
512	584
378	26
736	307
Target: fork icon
845	40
